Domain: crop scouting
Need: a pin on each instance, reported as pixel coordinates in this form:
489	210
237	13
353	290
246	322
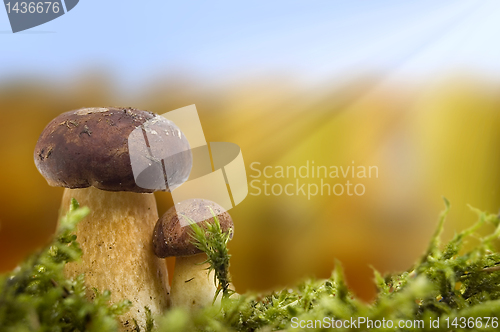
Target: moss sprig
213	242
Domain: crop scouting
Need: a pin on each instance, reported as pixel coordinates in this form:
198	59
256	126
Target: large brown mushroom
192	286
112	160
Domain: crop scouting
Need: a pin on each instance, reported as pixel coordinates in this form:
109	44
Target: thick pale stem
192	286
116	240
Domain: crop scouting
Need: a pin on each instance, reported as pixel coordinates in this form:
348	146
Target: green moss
213	242
461	289
37	297
445	283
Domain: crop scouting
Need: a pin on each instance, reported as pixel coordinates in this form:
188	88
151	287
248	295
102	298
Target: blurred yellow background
427	142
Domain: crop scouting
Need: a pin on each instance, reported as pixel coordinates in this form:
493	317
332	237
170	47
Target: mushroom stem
117	250
192	285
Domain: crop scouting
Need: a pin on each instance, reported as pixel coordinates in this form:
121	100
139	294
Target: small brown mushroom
192	286
91	152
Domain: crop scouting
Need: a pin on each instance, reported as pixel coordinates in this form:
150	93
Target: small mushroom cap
172	236
98	147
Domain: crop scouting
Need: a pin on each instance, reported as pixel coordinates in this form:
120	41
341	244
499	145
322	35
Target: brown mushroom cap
171	238
91	147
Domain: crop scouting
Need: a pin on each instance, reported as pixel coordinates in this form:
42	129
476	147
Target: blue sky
315	40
